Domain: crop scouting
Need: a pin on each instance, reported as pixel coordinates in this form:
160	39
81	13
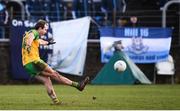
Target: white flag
69	52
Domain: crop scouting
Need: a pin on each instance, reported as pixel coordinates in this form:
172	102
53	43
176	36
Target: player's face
44	30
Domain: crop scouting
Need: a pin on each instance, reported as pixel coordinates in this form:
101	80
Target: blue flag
142	45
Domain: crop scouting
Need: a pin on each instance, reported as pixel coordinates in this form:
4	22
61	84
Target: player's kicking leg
48	71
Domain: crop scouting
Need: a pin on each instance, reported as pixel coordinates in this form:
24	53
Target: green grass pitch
94	97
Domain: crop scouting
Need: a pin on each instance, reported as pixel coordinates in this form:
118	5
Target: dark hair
40	23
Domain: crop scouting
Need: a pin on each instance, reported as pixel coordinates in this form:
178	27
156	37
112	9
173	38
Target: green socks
75	84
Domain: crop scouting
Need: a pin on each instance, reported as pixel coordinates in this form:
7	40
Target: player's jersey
32	54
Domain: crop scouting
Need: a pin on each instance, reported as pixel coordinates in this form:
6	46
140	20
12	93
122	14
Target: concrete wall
4	62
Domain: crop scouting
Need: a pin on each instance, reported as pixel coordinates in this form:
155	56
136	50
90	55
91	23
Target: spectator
122	22
111	7
3	17
82	8
47	9
134	21
34	9
57	8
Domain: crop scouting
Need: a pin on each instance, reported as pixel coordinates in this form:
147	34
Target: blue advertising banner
17	30
143	45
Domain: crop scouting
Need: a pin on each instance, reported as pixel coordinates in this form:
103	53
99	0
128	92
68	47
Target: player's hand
51	41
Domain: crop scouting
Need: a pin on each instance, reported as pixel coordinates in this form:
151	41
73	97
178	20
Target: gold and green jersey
32	53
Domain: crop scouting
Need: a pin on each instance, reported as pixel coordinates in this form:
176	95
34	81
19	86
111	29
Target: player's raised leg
48	71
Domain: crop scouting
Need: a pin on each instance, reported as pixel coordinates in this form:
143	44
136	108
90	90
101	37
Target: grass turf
94	97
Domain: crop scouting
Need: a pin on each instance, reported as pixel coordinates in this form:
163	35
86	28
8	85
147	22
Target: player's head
42	27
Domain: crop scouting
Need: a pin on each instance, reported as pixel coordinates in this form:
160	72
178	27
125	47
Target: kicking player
37	68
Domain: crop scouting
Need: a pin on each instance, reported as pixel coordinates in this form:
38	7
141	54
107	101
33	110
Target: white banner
142	45
71	43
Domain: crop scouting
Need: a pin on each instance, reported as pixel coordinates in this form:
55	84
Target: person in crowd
134	20
112	9
57	10
34	9
82	8
4	15
122	22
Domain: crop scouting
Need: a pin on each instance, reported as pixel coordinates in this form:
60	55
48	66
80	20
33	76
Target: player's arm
28	41
48	42
43	42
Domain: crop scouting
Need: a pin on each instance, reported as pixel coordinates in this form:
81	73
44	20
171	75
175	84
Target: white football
120	66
